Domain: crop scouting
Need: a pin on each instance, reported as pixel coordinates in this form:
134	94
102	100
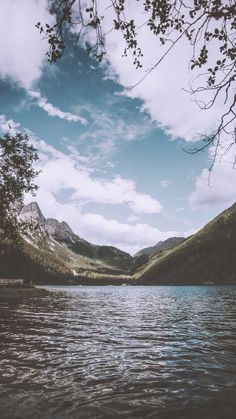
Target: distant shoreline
14	294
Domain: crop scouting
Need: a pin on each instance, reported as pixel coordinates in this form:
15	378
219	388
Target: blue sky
112	161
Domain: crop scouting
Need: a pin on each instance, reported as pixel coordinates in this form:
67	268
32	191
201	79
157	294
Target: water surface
132	352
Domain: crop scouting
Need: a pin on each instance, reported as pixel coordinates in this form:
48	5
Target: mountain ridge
161	245
204	258
56	255
61	232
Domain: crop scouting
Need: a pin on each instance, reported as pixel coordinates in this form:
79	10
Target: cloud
128	237
8	125
132	219
52	110
84	188
110	126
165	183
217	187
80	188
162	91
98	229
22	49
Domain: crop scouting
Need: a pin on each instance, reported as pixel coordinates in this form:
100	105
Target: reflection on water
132	352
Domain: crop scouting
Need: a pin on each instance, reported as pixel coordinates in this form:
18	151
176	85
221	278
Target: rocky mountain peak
50	227
108	258
59	230
32	211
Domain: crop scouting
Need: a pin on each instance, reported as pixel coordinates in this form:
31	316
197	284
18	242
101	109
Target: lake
127	352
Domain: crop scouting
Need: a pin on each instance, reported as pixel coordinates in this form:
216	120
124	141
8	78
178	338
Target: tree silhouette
17	157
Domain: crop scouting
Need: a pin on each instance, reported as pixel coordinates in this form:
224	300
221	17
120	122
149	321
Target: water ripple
132	352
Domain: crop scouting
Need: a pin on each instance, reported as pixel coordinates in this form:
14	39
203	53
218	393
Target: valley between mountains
54	254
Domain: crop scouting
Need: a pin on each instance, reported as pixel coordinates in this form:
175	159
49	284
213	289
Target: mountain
61	233
53	253
46	226
206	257
162	245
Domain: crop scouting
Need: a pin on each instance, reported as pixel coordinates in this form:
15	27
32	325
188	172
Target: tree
17	173
206	24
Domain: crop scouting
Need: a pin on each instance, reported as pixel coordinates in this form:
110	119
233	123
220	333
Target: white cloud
22	49
132	219
52	110
8	124
175	110
82	187
165	183
98	229
162	90
218	189
85	188
108	129
128	237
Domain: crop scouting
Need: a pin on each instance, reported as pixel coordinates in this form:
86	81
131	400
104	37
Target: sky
112	160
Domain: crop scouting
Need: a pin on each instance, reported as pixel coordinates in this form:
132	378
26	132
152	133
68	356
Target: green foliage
17	157
38	265
208	256
160	246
